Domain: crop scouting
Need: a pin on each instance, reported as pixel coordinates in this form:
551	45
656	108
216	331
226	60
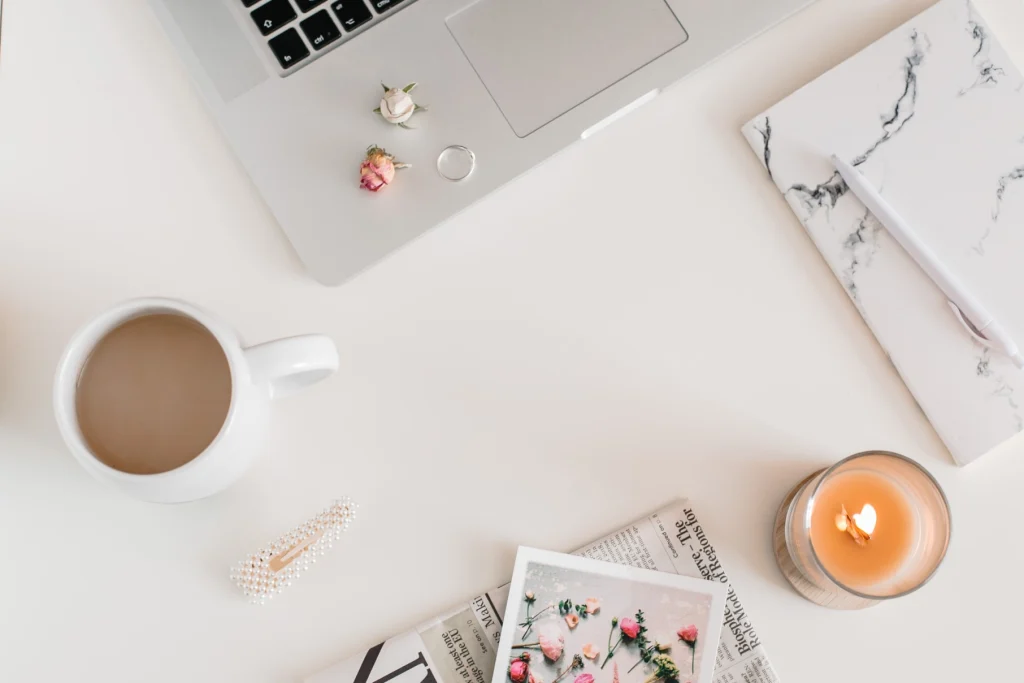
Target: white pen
978	321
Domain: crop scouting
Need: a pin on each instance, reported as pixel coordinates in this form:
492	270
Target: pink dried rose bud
688	634
571	620
593	605
551	642
518	671
629	628
378	169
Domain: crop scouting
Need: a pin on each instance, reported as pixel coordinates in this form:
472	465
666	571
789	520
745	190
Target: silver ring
446	154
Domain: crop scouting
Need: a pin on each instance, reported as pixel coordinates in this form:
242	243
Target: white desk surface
676	333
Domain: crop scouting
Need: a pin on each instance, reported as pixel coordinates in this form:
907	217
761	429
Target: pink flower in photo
584	678
591	652
688	633
572	621
518	671
629	628
551	641
593	605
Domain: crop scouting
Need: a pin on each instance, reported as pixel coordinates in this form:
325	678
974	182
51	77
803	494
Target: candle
872	527
863	528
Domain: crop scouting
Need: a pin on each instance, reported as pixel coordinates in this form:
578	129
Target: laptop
505	83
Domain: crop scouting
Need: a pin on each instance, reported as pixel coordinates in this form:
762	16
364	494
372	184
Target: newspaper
459	647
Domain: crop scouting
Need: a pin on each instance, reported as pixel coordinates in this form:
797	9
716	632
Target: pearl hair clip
272	568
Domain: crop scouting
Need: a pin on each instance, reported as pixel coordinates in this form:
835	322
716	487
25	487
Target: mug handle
287	365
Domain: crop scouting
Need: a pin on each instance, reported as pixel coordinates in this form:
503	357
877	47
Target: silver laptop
293	85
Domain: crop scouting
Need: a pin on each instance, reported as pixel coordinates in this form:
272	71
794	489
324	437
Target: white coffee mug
258	373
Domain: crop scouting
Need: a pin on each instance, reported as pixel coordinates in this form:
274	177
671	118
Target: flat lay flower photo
575	626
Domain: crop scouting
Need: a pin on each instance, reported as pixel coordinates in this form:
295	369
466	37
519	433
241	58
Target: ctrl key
289	48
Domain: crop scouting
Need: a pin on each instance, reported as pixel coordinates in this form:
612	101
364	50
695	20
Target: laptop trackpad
541	58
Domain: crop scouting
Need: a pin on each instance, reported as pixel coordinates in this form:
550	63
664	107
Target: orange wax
892	542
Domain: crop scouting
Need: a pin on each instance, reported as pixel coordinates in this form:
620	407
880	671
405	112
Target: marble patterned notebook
933	115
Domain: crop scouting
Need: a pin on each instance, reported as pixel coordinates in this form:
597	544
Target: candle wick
845	522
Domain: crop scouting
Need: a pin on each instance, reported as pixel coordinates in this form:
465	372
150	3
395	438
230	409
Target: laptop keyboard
299	29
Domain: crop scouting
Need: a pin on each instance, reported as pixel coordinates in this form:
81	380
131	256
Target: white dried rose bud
397	105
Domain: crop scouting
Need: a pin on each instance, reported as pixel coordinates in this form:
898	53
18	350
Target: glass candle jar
872	527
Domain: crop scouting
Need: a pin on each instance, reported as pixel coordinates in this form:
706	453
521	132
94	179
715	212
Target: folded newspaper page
459	647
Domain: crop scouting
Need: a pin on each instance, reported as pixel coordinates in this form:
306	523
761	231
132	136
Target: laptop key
384	5
249	3
288	48
273	15
306	5
320	29
351	13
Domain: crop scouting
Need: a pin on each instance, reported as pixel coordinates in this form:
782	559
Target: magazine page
460	647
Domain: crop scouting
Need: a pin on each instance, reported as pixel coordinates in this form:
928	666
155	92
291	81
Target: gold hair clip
271	569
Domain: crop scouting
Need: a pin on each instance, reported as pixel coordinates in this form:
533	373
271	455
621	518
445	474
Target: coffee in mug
153	394
162	400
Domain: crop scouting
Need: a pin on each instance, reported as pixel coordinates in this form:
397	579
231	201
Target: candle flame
860	526
866	519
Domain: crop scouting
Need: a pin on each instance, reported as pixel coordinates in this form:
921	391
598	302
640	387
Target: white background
640	318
